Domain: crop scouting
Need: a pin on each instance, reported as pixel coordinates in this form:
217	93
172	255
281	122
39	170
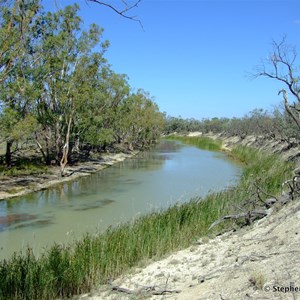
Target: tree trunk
8	154
76	144
57	142
64	159
46	157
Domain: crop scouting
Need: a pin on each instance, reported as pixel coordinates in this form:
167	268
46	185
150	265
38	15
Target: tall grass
200	142
65	270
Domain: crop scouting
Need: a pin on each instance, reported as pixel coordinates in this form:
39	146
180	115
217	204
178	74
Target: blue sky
193	57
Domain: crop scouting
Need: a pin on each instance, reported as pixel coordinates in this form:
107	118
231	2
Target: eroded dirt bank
257	262
21	185
288	151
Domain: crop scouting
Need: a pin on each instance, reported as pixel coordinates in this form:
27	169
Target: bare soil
257	262
11	186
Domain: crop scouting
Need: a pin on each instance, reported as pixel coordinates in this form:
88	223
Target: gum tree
17	20
67	68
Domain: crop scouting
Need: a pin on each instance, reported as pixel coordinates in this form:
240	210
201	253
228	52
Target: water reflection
156	179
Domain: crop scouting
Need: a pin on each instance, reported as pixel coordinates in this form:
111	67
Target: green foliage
270	172
64	270
57	88
140	121
275	124
14	128
16	27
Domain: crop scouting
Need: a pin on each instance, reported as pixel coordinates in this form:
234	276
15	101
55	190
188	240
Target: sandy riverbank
257	262
261	261
21	185
288	151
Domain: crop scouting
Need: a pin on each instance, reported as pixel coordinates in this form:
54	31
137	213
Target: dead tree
281	65
256	206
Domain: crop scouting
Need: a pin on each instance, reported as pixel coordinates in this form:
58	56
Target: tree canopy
58	90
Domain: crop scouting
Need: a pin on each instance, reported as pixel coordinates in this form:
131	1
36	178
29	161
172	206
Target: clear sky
193	56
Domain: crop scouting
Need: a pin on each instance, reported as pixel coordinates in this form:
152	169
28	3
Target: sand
261	261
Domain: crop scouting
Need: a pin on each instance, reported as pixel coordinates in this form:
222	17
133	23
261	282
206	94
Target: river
171	173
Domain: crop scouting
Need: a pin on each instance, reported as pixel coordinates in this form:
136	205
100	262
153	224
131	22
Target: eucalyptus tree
116	90
16	24
13	128
93	107
66	51
283	126
140	121
56	84
17	89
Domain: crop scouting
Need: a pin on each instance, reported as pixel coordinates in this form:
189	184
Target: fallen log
123	290
249	217
148	289
163	292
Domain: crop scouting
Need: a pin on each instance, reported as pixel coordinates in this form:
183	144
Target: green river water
168	174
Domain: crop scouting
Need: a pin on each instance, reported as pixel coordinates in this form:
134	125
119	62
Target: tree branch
288	108
152	290
282	67
122	13
248	216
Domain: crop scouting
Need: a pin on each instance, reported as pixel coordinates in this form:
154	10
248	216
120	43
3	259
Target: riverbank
16	186
289	151
261	261
65	270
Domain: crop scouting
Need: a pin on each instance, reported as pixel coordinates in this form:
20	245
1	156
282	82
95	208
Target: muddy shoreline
16	186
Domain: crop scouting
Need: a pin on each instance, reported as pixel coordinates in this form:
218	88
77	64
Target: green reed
66	270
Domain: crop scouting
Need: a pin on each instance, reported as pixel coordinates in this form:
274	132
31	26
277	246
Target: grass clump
202	142
24	167
268	170
257	280
65	270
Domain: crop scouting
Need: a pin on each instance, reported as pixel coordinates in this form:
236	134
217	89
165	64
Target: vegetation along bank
62	104
65	270
60	101
64	112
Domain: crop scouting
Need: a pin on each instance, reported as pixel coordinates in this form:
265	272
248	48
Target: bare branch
248	216
260	190
152	290
281	66
288	108
123	12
